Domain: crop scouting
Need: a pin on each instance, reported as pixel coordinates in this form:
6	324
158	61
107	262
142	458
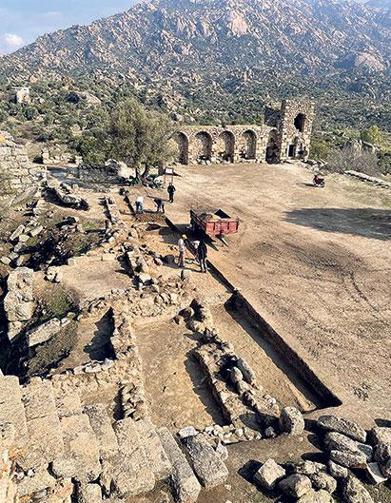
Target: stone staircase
55	441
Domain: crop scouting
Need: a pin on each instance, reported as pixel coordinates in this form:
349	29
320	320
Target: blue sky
22	21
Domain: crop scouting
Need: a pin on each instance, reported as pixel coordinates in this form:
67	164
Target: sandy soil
316	262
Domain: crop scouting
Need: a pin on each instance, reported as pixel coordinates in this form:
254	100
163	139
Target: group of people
159	202
201	252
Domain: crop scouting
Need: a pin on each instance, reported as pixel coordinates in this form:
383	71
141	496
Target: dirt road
316	262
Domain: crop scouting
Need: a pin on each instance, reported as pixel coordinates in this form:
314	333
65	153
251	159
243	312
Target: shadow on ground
367	222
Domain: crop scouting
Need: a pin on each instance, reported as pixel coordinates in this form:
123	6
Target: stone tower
295	128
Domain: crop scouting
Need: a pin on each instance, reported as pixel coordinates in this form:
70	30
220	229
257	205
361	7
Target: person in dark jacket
171	191
202	253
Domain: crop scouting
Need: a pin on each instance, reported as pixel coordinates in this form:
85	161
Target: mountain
204	50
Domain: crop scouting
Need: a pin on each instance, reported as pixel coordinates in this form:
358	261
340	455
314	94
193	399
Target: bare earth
315	262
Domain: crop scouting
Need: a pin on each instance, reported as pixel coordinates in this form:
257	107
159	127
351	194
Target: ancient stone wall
211	144
16	172
285	134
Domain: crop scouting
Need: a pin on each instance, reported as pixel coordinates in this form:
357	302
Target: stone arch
225	147
299	122
182	142
248	144
272	148
203	146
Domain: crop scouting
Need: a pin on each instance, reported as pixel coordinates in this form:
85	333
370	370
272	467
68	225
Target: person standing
171	192
202	253
182	250
139	204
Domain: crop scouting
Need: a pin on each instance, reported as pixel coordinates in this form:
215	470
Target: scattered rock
189	431
295	485
312	496
324	481
291	421
355	492
380	435
349	459
340	425
269	474
337	471
338	442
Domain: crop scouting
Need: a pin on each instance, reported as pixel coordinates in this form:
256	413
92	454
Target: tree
353	158
132	134
372	135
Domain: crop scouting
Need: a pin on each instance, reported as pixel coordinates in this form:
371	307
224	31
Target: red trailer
217	224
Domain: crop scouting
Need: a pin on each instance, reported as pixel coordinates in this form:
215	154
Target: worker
159	205
171	191
202	253
139	204
182	250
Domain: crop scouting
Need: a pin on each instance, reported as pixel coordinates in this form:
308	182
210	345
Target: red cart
217	224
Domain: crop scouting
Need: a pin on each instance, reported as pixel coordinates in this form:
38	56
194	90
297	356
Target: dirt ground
315	262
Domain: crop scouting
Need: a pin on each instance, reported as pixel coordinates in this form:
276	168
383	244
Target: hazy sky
22	21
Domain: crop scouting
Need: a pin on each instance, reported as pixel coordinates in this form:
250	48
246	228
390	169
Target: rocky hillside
215	37
219	55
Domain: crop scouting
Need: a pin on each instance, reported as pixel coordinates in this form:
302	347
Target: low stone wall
370	179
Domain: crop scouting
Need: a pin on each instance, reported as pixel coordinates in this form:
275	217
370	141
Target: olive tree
132	134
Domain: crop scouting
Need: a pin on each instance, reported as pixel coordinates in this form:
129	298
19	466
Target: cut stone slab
68	403
340	425
208	466
43	333
185	484
338	442
103	429
295	485
41	481
156	456
128	471
189	431
11	407
89	493
355	492
81	458
291	421
269	474
375	474
349	459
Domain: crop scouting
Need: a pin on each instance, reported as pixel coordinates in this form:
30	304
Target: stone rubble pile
66	196
234	386
350	451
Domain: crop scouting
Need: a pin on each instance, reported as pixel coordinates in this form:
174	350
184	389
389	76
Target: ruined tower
295	128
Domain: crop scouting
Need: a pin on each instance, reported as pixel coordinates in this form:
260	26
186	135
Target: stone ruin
285	134
18	178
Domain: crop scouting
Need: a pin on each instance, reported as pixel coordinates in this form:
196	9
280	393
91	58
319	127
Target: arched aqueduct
287	136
